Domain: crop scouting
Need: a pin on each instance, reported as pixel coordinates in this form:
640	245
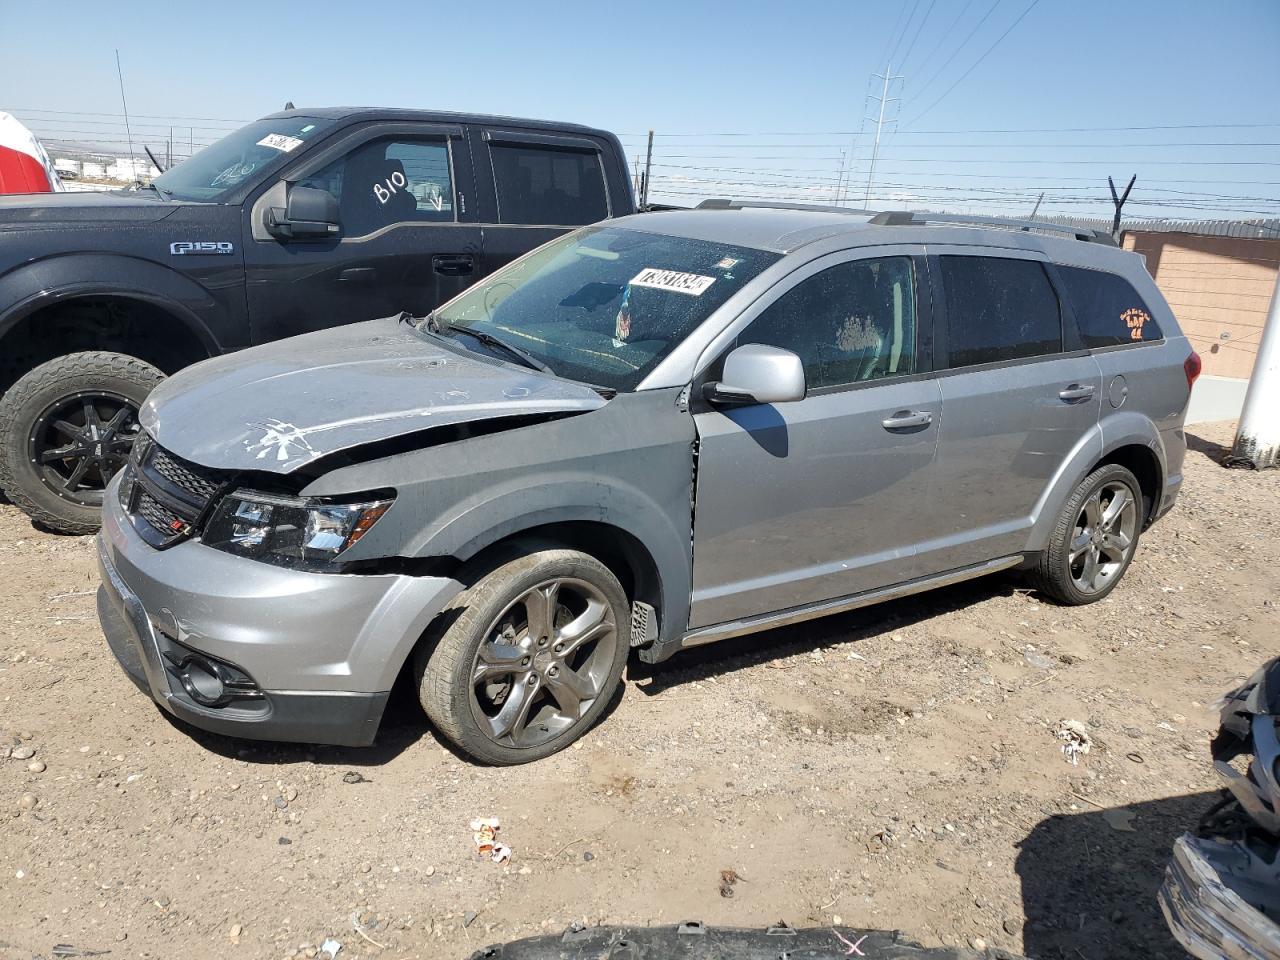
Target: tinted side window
1108	310
389	181
538	184
852	322
999	309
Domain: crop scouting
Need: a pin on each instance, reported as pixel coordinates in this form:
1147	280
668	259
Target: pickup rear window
540	184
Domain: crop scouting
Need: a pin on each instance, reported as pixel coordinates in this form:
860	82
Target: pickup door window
404	240
389	181
541	184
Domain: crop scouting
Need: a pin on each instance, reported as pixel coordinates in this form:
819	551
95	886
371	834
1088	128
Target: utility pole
1119	202
839	178
1037	206
1258	434
880	121
648	167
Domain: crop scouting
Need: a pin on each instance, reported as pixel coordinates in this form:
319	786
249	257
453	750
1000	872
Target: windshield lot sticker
673	280
1135	320
728	263
278	141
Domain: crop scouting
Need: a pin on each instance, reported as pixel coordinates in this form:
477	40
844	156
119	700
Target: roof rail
723	203
902	218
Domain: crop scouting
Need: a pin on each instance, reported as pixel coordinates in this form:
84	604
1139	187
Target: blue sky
696	71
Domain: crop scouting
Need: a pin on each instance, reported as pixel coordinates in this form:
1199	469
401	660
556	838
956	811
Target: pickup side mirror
756	373
309	214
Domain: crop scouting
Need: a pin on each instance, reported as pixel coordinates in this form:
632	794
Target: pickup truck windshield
223	165
605	304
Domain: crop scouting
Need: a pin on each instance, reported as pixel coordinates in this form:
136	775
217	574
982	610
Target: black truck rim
79	442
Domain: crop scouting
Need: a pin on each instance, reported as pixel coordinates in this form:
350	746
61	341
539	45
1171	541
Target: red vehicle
24	165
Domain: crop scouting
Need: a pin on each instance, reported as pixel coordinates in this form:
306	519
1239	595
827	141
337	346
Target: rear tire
83	405
526	660
1095	538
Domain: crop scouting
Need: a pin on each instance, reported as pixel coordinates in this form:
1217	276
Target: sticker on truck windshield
690	283
278	141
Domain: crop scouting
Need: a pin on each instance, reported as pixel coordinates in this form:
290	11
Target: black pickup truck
301	220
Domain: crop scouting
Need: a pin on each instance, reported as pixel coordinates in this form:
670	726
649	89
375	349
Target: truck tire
525	661
65	429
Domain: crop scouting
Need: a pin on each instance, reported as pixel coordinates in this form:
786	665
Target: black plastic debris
696	941
1221	895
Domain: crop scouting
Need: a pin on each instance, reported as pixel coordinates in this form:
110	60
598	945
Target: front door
407	241
1018	396
821	498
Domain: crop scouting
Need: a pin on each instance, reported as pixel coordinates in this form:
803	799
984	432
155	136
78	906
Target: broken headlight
289	531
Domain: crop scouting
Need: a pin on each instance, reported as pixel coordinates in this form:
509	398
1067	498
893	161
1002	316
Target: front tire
528	658
66	427
1095	538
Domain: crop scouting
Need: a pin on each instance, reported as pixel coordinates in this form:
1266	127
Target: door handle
1076	391
905	419
358	275
453	264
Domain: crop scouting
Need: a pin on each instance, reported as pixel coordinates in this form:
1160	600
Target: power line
963	43
984	56
912	45
145	116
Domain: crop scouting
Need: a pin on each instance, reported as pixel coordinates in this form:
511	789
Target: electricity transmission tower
887	77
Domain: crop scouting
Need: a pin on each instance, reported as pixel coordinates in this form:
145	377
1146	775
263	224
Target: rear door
824	497
535	186
1019	394
408	239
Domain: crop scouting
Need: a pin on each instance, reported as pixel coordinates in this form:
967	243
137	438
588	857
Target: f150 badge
190	247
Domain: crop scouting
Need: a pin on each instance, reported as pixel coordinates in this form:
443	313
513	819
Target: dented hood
284	405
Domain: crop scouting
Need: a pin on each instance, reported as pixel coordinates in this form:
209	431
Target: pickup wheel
528	658
1095	538
65	429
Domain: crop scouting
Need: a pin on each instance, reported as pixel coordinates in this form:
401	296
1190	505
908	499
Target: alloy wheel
79	442
1102	542
543	662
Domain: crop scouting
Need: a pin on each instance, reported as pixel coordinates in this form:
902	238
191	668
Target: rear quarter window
546	185
1109	311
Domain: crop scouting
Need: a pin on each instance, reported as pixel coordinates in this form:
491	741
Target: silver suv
656	433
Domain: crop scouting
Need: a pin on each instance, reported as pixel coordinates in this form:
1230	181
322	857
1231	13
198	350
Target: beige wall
1219	289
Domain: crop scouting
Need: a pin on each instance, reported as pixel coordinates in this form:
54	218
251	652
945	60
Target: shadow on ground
1089	890
740	653
1214	451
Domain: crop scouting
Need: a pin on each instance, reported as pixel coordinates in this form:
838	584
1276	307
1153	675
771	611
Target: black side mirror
309	214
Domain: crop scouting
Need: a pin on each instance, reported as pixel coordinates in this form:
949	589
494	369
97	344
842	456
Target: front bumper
314	654
1206	899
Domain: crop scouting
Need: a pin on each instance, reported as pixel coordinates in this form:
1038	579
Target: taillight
1192	367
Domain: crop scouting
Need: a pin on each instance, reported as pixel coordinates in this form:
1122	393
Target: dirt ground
893	768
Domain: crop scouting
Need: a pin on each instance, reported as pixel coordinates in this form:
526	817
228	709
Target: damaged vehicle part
1221	895
696	941
649	434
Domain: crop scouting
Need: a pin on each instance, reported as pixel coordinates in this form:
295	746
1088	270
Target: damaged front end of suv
1221	895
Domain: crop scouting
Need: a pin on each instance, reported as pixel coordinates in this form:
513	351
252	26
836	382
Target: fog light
202	681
